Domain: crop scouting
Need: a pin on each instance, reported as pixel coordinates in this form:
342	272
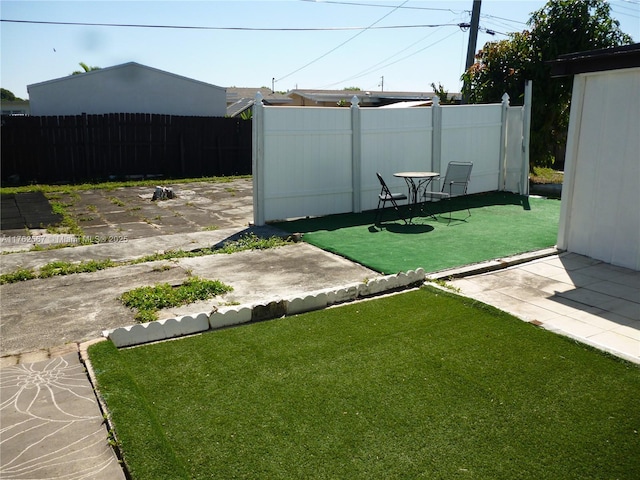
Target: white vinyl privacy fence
310	161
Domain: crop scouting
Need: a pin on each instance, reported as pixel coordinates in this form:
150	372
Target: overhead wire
395	61
340	45
373	68
361	4
192	27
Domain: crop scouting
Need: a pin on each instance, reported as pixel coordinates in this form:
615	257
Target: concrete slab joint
236	315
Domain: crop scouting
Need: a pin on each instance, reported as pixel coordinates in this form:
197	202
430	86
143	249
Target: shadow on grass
346	220
412	229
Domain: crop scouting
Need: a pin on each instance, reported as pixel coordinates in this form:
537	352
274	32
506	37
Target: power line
372	69
342	44
192	27
359	4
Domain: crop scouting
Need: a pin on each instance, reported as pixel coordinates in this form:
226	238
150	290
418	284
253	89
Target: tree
561	26
8	95
441	93
85	68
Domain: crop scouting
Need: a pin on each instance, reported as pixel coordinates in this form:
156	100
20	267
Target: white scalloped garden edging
239	314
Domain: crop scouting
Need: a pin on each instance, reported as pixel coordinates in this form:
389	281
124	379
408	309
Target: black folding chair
386	196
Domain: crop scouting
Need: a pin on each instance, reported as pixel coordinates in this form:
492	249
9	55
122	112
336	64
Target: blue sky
430	46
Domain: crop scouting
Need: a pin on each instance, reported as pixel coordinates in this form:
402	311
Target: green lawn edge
421	384
140	435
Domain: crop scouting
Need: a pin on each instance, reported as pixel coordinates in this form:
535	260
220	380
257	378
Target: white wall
127	88
600	213
319	161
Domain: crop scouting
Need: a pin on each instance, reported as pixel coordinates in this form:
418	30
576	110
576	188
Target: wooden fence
99	147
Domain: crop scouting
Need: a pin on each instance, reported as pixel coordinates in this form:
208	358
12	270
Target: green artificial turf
500	225
424	384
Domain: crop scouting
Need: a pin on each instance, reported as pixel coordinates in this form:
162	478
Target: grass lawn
423	384
501	225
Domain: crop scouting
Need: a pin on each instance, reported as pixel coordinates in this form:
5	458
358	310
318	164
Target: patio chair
455	183
386	196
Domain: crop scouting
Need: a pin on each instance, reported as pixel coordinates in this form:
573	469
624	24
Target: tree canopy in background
85	68
561	26
8	95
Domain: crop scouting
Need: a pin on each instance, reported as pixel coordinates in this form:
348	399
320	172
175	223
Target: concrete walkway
593	302
52	425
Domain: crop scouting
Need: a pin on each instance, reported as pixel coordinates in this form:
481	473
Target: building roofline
614	58
122	65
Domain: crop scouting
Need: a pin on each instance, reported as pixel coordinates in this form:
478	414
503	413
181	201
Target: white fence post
526	135
356	155
257	160
436	135
503	144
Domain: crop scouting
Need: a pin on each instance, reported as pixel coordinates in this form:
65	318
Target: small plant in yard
67	268
68	224
210	228
17	276
443	284
162	268
148	300
251	241
117	201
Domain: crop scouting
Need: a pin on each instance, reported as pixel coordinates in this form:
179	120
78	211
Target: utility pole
473	37
473	33
382	83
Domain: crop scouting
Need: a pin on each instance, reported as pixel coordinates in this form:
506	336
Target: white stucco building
600	212
127	88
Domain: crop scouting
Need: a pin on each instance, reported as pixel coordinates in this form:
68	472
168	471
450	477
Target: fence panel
473	133
99	147
307	161
392	140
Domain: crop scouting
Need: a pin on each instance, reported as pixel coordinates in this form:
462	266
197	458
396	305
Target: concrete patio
590	301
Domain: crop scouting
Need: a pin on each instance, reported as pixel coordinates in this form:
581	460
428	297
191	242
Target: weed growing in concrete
148	300
246	242
443	284
17	276
117	201
251	241
67	268
69	223
162	268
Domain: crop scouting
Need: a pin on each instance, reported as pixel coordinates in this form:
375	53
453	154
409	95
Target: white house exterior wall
128	88
600	214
